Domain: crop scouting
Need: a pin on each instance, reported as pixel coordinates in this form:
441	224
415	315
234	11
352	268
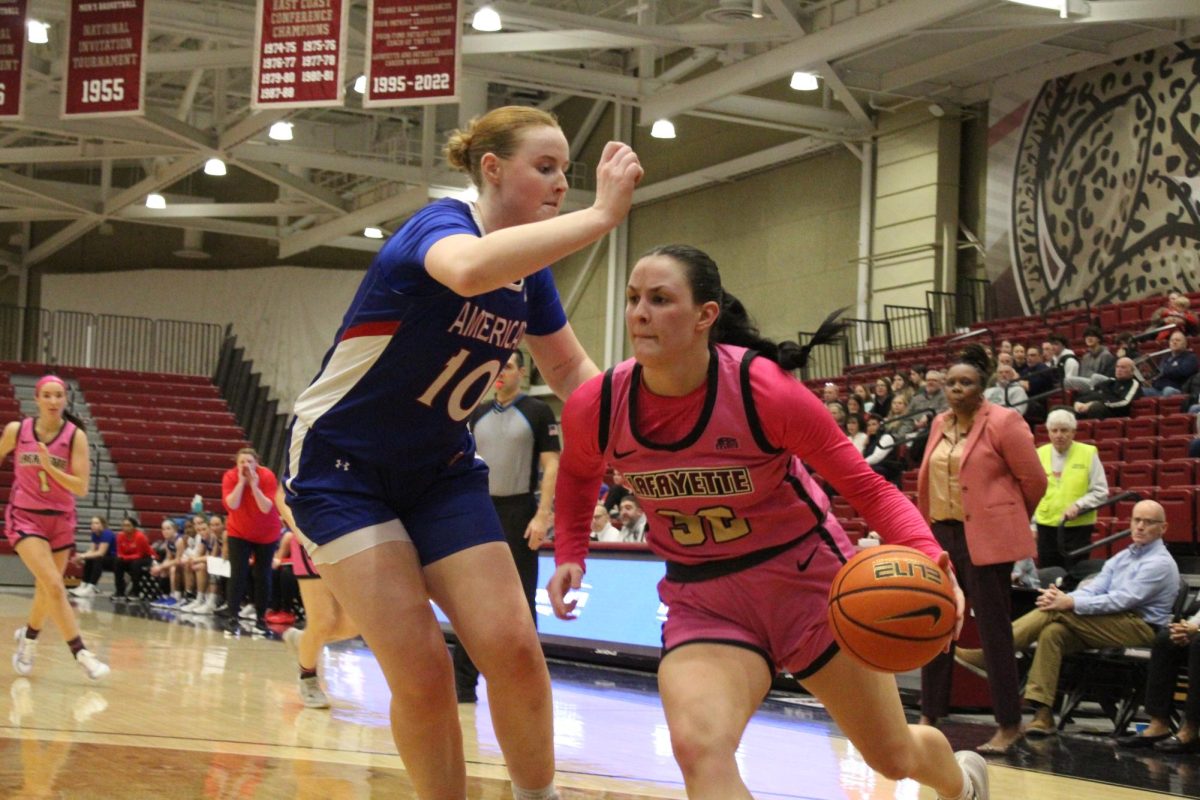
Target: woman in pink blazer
979	483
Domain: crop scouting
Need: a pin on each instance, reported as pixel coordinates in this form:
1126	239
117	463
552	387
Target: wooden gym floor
193	712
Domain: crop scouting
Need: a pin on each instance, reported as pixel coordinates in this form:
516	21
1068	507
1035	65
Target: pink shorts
57	527
302	566
777	608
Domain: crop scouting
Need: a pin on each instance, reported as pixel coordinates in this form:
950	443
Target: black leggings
138	568
240	551
93	568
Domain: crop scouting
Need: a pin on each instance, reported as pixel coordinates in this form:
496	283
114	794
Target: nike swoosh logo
933	612
619	454
803	565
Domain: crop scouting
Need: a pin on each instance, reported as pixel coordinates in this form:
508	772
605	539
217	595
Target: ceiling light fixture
281	132
214	167
156	200
372	233
1065	8
37	32
360	84
663	129
804	82
486	20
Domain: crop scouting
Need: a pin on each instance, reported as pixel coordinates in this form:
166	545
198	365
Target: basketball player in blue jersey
382	475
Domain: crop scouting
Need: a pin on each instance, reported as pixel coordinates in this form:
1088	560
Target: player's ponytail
734	324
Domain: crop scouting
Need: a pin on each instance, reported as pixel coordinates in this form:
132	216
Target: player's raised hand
617	175
566	577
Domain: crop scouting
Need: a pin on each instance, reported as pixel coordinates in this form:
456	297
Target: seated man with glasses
1125	605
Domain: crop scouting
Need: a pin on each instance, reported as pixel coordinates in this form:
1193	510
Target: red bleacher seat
1108	429
1180	507
1169	405
1175	473
1111	450
1130	313
148	387
1144	407
107	425
1176	425
143	486
154	414
1136	474
1083	428
134	455
1140	449
1140	427
908	480
186	444
1171	448
1110	474
171	472
1110	318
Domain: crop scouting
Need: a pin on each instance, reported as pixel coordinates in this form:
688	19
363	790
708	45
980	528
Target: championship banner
299	53
12	54
106	58
414	52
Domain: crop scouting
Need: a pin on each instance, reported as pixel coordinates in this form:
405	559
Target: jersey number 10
455	407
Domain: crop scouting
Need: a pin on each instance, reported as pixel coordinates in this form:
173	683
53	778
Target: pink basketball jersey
721	491
32	488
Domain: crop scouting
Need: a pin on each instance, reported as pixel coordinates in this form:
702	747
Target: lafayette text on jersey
33	488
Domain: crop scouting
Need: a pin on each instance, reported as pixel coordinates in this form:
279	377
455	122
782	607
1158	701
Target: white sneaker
191	606
93	666
22	659
248	612
83	590
311	694
974	768
291	637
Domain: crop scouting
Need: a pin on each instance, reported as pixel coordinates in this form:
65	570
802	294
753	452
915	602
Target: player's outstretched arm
470	265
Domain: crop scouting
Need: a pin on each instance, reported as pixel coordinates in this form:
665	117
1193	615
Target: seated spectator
854	430
602	528
898	423
882	451
860	391
1018	354
617	492
930	401
633	520
1176	311
880	403
1075	482
1065	362
1096	365
900	385
167	570
829	393
98	558
854	408
1005	347
1124	345
838	410
1007	392
1175	368
198	582
134	557
1123	606
1112	398
1175	645
285	592
916	378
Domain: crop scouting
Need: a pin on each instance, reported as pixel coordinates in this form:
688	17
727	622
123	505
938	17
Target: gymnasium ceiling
63	184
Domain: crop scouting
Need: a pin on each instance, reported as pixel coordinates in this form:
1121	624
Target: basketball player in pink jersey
710	438
51	470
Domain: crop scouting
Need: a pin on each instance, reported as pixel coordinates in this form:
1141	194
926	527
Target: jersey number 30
718	523
455	407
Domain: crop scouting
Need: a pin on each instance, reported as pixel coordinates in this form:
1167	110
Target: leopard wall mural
1105	193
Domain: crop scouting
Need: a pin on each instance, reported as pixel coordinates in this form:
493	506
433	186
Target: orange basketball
892	608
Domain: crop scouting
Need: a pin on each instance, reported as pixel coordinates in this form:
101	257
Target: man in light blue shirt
1124	606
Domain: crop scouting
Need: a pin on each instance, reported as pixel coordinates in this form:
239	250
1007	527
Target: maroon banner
12	55
414	52
106	58
299	51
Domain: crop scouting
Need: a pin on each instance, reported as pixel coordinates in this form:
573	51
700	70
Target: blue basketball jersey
412	359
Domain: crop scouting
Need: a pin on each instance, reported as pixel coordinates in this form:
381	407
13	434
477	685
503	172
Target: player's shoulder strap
605	409
752	418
